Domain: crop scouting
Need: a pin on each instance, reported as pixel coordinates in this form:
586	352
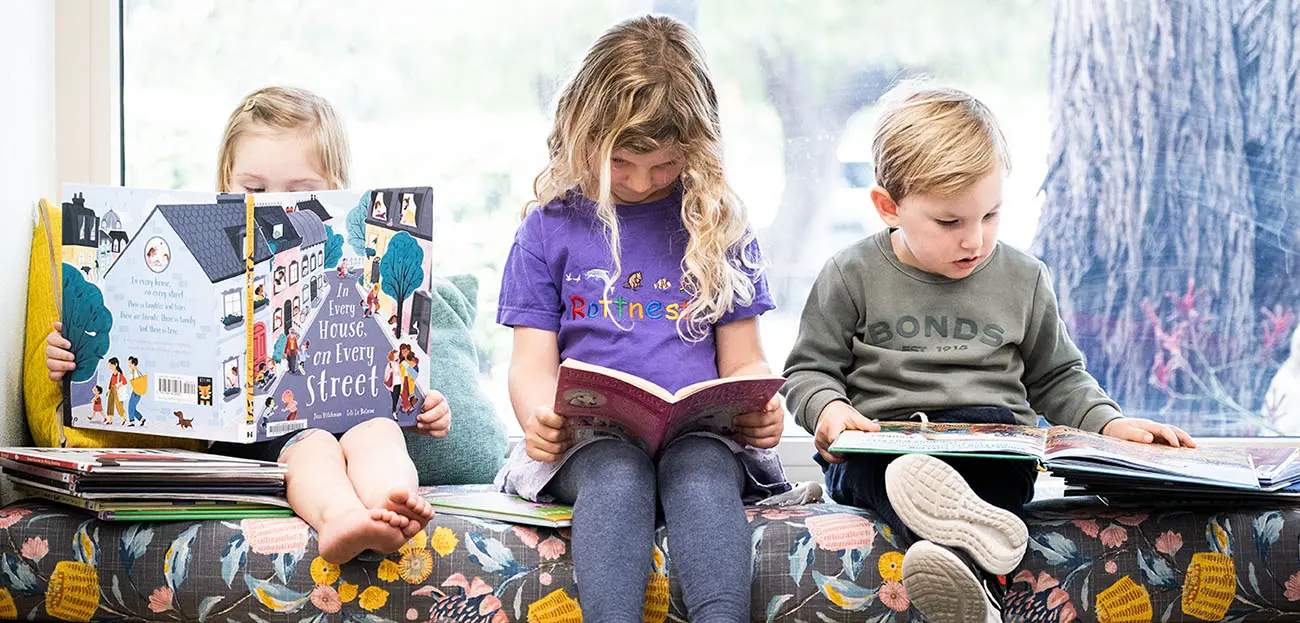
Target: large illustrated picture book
243	318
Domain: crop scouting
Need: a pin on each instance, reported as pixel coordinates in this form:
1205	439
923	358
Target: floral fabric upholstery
819	562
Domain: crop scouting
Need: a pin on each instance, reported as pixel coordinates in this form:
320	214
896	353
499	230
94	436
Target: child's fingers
57	352
752	419
548	418
432	414
857	421
1167	435
57	340
1183	437
433	399
62	365
1131	432
759	432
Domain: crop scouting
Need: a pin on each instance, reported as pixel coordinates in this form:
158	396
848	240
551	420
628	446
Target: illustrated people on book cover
290	405
380	211
934	315
291	351
392	380
97	405
408	209
372	300
408	368
116	381
137	392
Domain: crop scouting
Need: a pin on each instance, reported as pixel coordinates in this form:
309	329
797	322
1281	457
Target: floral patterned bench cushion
813	563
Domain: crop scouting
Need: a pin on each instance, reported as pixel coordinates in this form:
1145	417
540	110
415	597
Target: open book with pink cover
603	402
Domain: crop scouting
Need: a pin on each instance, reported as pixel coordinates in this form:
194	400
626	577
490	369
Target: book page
945	438
713	405
1208	464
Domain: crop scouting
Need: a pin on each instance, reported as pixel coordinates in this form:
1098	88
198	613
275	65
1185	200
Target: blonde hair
291	110
935	140
644	86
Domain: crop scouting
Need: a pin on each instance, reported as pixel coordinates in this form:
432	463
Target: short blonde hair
645	85
291	110
935	140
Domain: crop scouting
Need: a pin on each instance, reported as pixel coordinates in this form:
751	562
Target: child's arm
59	359
823	352
1060	387
534	371
740	353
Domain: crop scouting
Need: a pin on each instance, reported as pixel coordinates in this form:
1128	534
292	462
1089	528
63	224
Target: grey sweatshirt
891	340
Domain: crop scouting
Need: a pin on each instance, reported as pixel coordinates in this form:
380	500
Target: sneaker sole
935	502
941	586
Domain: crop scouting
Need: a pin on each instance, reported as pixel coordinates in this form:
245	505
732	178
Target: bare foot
410	505
354	531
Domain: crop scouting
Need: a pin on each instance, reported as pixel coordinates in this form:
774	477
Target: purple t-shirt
555	275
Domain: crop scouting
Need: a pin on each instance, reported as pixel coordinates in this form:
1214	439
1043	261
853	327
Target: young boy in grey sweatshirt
933	315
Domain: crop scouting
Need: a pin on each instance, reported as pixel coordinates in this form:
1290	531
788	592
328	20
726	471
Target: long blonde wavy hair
643	86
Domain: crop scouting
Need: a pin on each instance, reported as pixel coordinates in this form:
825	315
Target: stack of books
125	484
1090	464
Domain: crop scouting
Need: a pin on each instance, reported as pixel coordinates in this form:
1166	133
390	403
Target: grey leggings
612	486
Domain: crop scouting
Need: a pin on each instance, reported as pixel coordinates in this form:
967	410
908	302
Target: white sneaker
948	588
934	501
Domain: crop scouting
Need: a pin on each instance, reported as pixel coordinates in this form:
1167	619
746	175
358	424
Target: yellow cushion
44	397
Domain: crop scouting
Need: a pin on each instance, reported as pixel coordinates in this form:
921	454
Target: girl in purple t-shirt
636	255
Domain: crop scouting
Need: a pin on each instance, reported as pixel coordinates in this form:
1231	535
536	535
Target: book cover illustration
599	402
184	324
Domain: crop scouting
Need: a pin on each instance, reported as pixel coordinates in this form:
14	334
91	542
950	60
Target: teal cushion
476	446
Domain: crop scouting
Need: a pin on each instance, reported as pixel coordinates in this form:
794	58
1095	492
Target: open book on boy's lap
1063	450
239	319
602	402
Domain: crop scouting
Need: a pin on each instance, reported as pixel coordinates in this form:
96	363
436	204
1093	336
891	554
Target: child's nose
639	181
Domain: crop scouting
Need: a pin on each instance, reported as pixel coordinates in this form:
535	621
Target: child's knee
698	452
623	464
305	440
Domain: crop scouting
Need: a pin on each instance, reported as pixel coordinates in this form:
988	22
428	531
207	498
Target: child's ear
885	206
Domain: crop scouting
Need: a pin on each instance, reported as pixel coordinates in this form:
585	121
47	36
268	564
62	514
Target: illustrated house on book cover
81	237
393	212
171	347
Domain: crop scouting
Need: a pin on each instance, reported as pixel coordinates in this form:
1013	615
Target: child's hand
545	437
761	429
836	418
434	419
1146	431
59	359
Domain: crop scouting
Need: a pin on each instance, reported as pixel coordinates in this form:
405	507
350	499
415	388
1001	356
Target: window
232	303
1176	276
232	380
277	232
280	279
293	272
277	320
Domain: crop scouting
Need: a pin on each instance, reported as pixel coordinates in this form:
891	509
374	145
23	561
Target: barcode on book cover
178	389
275	429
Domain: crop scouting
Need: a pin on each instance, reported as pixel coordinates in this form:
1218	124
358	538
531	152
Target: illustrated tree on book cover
333	247
356	226
401	271
86	322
